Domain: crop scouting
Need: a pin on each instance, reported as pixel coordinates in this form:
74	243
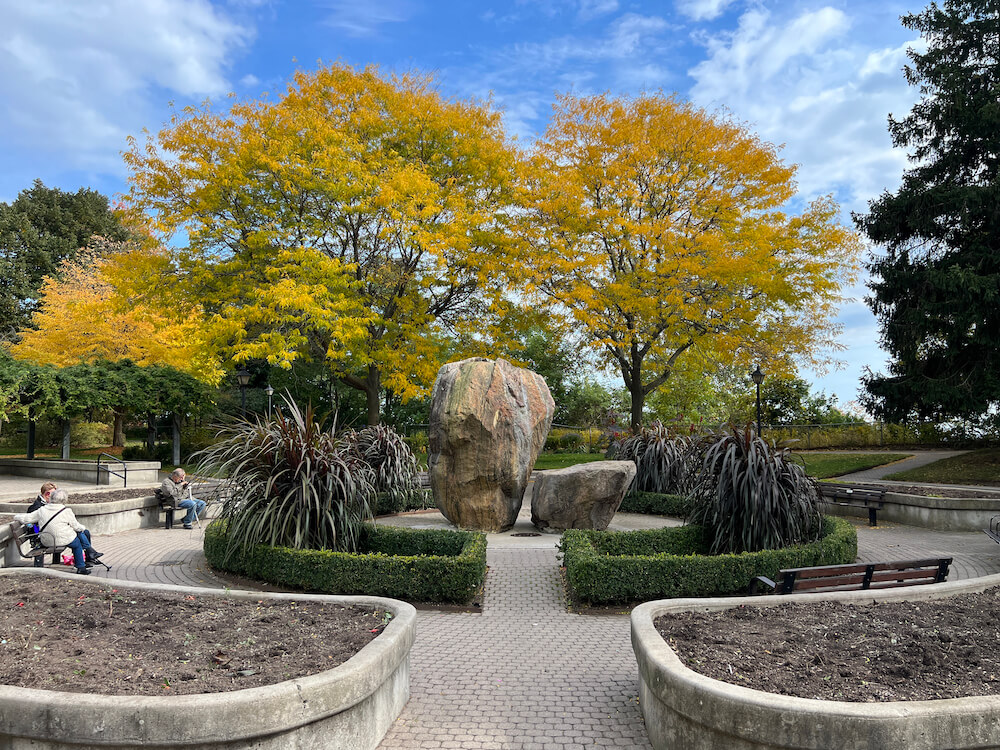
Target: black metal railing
123	474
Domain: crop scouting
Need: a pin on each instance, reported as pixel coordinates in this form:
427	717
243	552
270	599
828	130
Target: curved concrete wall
683	709
351	706
942	513
137	474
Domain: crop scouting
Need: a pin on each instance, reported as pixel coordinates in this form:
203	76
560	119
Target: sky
819	77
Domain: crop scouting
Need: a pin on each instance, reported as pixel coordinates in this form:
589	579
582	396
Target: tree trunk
31	435
372	394
150	432
65	439
638	400
118	438
175	420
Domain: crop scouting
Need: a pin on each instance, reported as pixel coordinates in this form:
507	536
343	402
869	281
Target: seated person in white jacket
59	528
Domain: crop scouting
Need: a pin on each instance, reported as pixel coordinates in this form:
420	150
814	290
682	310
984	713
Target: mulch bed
889	651
84	637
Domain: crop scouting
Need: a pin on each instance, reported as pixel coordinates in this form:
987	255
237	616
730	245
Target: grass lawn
825	465
562	460
975	467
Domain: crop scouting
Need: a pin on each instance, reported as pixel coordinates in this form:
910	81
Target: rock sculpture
488	423
584	496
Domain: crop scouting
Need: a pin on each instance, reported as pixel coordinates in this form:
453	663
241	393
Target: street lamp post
243	378
270	392
758	378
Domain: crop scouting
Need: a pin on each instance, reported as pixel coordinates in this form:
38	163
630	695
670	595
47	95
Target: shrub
656	503
751	496
162	452
624	567
292	483
414	564
419	500
90	435
389	456
661	460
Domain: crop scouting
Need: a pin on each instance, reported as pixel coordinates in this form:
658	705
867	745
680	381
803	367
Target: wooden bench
856	576
210	493
26	536
862	497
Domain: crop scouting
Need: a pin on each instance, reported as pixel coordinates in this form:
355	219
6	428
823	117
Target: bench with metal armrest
855	576
862	497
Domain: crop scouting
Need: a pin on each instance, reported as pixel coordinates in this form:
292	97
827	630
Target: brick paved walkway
525	673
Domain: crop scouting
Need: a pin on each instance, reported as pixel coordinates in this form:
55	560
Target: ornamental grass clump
750	496
662	460
292	483
391	460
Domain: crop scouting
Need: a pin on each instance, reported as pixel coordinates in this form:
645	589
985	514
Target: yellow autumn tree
663	231
114	302
351	221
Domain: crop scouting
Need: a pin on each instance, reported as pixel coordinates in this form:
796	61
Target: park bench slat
862	497
857	576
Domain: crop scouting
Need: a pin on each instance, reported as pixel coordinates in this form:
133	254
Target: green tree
936	286
38	231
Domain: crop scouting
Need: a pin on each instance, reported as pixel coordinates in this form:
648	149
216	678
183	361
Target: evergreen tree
937	285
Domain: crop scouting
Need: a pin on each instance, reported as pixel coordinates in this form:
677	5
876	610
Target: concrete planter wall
351	706
138	472
683	709
942	513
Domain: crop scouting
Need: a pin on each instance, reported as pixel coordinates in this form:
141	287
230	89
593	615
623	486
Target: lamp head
757	375
269	390
243	378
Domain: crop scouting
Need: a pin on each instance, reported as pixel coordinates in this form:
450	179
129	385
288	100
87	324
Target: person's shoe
187	526
94	554
83	571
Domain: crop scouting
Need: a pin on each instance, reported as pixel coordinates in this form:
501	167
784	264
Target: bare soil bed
888	651
83	637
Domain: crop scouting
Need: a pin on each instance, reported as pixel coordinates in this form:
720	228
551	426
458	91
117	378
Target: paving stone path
524	674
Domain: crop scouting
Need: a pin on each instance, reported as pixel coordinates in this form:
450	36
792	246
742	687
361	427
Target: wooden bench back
864	576
857	494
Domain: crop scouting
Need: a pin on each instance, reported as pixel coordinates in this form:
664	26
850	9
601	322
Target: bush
162	452
292	483
605	567
656	503
414	564
394	464
661	460
386	504
751	496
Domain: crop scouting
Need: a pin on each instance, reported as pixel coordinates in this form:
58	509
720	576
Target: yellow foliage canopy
115	302
346	222
662	229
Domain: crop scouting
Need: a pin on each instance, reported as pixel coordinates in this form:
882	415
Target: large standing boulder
488	423
584	496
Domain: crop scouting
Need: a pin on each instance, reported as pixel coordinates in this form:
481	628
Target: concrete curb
352	705
941	513
682	708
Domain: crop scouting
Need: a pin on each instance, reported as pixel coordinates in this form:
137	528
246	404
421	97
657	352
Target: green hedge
621	567
419	500
655	503
422	565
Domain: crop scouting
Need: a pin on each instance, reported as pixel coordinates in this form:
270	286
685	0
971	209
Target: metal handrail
123	474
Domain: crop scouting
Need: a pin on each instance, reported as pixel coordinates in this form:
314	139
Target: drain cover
526	533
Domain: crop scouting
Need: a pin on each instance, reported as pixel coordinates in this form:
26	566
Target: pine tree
937	284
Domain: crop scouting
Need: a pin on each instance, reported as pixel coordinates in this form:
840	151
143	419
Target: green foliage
751	496
419	500
624	567
826	465
656	503
936	285
661	459
389	456
413	564
40	229
562	460
976	467
293	483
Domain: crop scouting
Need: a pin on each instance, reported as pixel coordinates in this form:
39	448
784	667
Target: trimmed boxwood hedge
655	503
386	505
421	565
621	567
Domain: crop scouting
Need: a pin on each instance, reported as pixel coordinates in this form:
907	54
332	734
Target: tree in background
40	230
936	288
659	229
350	222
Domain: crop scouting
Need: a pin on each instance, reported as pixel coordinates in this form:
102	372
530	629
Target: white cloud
77	77
590	9
703	10
365	19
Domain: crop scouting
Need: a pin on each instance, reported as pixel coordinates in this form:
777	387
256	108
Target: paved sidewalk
915	461
525	673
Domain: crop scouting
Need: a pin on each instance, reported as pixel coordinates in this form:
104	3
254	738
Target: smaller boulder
584	496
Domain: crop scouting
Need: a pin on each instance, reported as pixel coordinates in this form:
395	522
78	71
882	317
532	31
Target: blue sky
818	76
